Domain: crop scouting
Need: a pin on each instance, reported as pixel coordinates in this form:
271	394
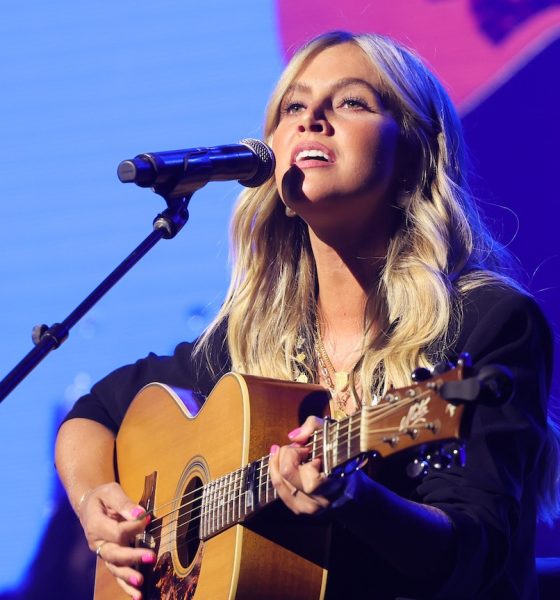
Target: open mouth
305	155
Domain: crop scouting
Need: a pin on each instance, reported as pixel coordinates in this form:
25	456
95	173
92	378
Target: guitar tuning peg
458	454
417	468
447	455
420	374
464	360
437	459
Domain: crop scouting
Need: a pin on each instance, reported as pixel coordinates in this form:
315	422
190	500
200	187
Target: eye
355	103
292	108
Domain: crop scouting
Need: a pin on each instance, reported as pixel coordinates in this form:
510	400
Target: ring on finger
98	550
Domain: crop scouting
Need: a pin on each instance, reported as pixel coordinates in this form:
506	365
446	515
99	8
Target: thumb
115	499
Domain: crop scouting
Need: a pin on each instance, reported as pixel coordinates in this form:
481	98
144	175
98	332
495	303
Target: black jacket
491	500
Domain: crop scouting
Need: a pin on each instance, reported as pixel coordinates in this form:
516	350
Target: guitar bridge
145	539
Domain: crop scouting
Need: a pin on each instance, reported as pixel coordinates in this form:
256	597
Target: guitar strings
347	424
222	479
222	520
227	503
373	414
228	516
172	532
240	472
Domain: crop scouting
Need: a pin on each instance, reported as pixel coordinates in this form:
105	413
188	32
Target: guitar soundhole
188	523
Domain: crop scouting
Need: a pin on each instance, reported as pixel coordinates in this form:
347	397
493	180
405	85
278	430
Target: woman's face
336	142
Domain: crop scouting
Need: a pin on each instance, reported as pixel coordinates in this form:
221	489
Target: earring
290	212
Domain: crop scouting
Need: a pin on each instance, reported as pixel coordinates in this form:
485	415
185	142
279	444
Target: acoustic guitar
202	473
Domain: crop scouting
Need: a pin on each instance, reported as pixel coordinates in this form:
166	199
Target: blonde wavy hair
440	250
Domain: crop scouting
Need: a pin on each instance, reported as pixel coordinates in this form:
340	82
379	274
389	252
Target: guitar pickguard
177	570
171	587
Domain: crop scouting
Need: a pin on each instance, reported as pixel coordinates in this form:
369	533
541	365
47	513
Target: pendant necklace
339	383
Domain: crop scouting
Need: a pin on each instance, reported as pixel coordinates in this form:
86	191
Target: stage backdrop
86	85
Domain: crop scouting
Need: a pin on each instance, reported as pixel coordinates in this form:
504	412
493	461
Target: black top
491	500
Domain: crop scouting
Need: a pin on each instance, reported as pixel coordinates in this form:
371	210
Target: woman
362	260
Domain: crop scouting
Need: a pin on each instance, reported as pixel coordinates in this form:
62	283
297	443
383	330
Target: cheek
381	149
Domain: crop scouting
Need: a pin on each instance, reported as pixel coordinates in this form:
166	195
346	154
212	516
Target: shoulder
498	321
493	309
188	366
185	368
478	301
192	366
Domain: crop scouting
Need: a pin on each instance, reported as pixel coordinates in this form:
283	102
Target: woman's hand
111	521
293	475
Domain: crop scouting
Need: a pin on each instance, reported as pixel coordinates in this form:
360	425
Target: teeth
312	154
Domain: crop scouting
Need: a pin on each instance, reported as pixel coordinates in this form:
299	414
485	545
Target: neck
347	273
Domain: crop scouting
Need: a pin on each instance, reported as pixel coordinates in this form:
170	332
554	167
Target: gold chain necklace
341	389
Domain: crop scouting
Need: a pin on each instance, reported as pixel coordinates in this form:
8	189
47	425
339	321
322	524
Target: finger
124	556
302	504
100	527
289	460
311	476
128	586
292	496
303	433
128	575
276	478
114	499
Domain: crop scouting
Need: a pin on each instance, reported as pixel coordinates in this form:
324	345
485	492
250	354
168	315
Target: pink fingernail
134	581
138	513
294	433
274	449
148	558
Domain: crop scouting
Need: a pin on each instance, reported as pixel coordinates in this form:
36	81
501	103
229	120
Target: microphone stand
166	225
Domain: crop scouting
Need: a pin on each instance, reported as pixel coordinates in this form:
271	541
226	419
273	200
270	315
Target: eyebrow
338	85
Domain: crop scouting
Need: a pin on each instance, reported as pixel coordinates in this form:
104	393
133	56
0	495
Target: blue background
85	86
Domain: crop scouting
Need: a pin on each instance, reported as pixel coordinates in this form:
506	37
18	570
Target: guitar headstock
412	416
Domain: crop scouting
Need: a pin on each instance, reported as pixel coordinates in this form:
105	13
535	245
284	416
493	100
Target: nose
314	119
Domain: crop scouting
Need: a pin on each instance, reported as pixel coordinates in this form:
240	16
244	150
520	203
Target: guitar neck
231	499
404	418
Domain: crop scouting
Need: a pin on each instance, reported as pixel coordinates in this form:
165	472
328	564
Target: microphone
251	162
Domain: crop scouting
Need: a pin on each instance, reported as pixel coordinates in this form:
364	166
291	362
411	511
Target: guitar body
164	451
